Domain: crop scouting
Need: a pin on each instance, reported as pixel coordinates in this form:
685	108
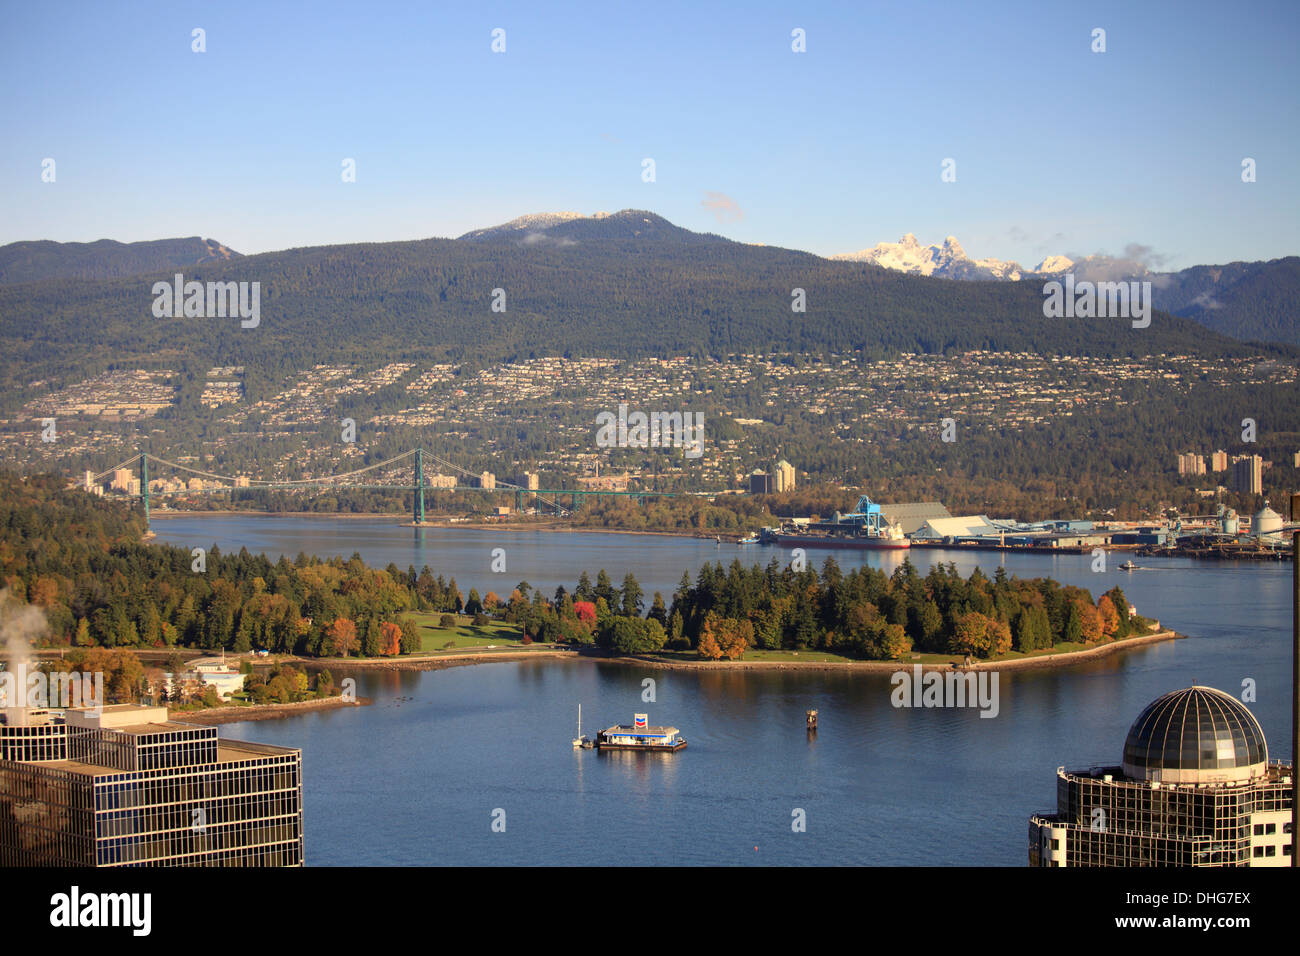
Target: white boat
580	742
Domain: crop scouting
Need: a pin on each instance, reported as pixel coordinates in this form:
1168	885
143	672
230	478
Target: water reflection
414	781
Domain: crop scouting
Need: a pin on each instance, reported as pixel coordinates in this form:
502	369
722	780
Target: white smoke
20	624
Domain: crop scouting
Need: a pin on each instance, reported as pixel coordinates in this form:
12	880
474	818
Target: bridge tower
144	487
419	486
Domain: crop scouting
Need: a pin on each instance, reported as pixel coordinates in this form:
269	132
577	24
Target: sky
1057	149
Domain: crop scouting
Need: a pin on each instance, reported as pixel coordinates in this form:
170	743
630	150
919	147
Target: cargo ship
640	736
864	528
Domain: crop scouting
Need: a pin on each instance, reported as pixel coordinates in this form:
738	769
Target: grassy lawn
434	638
814	657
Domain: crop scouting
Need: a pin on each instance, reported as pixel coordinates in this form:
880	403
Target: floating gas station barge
640	736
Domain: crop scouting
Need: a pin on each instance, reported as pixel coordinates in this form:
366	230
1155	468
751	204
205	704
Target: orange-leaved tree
342	636
390	639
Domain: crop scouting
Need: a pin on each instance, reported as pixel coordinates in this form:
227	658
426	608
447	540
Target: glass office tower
130	787
1195	788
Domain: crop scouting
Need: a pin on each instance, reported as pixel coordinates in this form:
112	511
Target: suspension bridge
384	475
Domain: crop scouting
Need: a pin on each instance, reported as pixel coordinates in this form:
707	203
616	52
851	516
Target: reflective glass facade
1117	822
1193	735
165	794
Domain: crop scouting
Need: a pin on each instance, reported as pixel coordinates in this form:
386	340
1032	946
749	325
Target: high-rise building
760	482
1219	461
1195	788
1190	464
487	481
1248	474
782	476
130	787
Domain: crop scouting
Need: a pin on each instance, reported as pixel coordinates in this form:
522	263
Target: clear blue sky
1058	149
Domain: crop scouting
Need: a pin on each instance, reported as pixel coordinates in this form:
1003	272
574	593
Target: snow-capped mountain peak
1053	265
948	261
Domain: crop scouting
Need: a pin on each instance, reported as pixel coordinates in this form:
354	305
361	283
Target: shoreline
404	521
1043	661
557	526
337	665
1064	659
232	714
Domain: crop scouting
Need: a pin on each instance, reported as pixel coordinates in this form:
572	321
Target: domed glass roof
1197	735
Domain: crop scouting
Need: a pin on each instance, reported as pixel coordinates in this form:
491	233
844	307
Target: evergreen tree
632	594
1073	633
657	610
605	589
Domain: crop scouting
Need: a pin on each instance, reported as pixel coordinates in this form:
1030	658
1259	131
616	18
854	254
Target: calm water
415	778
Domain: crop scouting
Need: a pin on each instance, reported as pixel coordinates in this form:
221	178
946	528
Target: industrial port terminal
1263	536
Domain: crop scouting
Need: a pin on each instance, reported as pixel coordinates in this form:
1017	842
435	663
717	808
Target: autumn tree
980	635
1109	616
586	611
342	636
725	637
970	635
1090	621
390	639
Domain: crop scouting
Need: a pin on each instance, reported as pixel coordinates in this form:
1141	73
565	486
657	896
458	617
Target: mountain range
948	261
105	259
1246	300
624	284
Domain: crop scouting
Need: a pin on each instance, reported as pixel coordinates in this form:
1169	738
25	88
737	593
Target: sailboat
580	742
